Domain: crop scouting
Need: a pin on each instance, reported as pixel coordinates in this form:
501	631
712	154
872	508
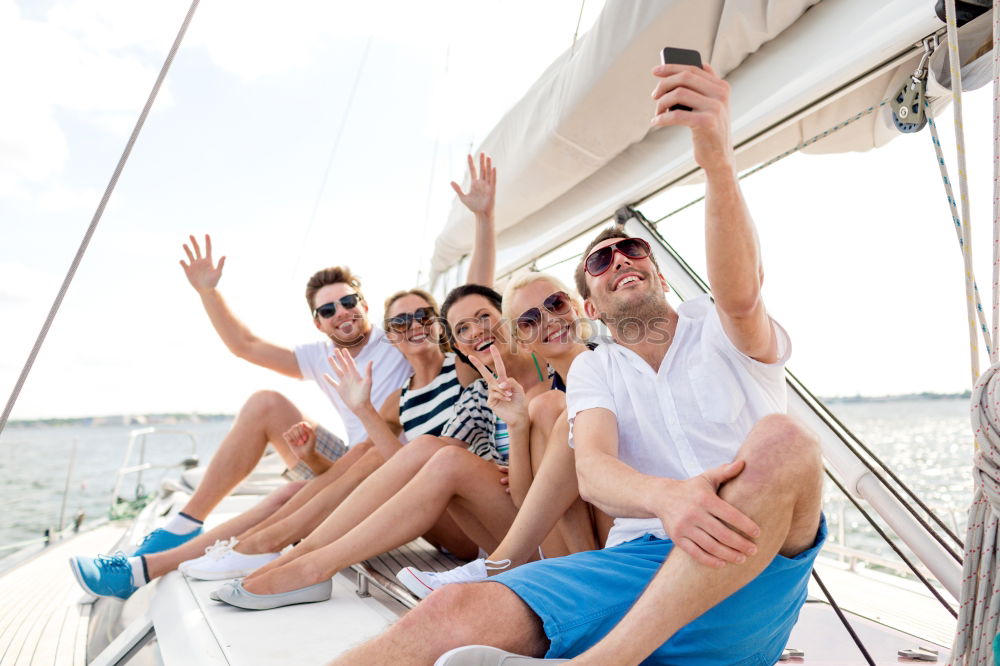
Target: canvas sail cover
578	144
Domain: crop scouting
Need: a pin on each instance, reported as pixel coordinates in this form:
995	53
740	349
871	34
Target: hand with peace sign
353	389
482	192
202	275
506	395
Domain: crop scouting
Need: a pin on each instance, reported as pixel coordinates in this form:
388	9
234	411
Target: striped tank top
426	410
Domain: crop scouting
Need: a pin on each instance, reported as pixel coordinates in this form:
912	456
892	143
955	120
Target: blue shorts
581	597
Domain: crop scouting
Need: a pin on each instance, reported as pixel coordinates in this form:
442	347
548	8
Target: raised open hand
201	272
506	395
353	389
482	192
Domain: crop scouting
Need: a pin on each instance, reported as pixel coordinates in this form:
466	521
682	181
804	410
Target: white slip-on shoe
422	583
484	655
214	594
225	562
235	595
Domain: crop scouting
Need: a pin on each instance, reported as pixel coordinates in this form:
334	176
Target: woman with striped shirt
432	479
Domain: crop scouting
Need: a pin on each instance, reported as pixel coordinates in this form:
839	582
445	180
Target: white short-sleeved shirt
691	415
389	370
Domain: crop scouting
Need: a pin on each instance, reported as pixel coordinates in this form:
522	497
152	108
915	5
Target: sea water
35	463
928	443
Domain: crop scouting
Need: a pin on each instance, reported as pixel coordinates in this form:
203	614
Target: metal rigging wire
333	151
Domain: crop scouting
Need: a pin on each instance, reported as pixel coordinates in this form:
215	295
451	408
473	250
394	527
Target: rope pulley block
909	113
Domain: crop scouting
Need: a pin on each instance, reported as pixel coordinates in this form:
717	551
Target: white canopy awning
578	144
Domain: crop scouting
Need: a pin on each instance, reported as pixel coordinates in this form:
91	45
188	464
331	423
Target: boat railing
50	534
858	478
141	437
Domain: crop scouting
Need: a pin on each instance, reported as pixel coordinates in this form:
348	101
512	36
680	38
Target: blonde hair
584	327
431	301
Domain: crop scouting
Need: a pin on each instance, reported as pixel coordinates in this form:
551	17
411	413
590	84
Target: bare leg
452	474
454	535
301	522
546	411
575	526
553	499
313	487
452	616
262	419
543	411
158	564
780	489
372	493
602	524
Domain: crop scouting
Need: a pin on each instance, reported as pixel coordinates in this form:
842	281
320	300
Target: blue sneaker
104	576
160	540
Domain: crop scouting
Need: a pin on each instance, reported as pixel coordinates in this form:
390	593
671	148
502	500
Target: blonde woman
546	321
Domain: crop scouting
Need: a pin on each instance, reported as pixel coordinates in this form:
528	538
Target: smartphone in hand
674	56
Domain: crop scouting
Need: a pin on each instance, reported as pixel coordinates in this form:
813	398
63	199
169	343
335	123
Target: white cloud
85	58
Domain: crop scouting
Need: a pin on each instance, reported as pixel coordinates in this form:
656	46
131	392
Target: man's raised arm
734	265
204	276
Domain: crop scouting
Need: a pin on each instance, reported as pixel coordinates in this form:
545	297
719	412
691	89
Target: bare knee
263	404
424	447
546	407
483	613
781	446
451	460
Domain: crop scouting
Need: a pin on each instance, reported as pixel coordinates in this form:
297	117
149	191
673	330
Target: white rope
995	356
980	610
950	194
71	273
955	65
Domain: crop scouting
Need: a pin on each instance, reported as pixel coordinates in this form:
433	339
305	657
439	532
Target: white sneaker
221	561
216	548
422	583
484	655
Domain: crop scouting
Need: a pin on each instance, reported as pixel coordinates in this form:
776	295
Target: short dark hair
457	294
331	275
580	276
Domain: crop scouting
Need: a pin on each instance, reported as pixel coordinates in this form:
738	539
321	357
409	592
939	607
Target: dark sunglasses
401	322
599	261
557	303
327	310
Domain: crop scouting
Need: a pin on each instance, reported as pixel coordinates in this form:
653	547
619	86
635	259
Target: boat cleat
920	654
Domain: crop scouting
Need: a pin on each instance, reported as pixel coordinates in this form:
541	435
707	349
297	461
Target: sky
861	259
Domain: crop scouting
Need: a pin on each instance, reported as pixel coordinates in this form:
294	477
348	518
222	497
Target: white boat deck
887	599
191	628
41	621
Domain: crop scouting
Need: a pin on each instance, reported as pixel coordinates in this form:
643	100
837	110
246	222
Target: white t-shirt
389	370
691	415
